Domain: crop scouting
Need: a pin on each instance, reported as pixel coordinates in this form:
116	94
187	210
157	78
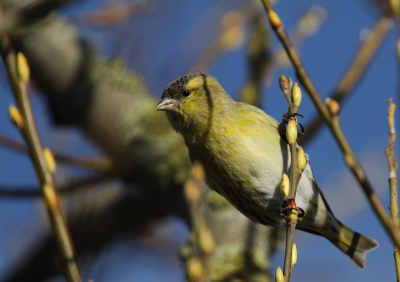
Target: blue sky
162	46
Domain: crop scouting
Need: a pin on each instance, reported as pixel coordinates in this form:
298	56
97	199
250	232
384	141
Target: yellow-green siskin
244	158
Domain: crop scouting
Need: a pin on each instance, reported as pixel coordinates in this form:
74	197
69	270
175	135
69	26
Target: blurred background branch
113	107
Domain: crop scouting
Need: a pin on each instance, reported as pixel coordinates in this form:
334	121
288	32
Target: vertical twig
349	156
196	264
293	96
393	165
18	73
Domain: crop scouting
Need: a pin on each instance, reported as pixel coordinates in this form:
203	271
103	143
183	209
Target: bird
244	157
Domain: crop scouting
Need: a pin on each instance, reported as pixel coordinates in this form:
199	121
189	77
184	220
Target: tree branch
334	125
354	73
393	166
24	120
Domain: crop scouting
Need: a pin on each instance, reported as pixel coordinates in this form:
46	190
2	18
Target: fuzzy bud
296	94
49	158
15	116
285	185
349	160
198	172
279	275
51	196
301	159
294	254
395	6
291	131
333	106
194	269
232	31
274	20
23	67
206	242
191	191
283	83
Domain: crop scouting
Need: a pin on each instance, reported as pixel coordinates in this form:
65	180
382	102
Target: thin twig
197	264
26	125
334	126
293	95
230	36
291	222
393	166
112	15
90	163
356	70
71	186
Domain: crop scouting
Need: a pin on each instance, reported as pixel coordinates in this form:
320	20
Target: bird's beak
167	104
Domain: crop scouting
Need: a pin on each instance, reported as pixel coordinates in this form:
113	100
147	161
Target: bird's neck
208	119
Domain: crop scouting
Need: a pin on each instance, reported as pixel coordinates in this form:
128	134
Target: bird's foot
287	205
285	119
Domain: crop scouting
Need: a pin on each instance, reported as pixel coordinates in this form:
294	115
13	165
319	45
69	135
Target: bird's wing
309	174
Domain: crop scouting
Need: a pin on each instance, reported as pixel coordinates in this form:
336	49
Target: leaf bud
285	185
15	116
23	67
291	131
301	159
279	275
296	94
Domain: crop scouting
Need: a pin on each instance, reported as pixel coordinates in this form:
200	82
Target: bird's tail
348	241
351	243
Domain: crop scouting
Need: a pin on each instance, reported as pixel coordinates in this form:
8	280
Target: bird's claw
285	119
286	208
288	116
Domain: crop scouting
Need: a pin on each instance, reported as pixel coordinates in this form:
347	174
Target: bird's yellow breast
242	149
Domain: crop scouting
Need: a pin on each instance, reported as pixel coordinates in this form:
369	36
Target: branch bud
279	275
50	161
301	159
285	185
195	269
333	106
283	83
232	31
395	6
296	94
349	160
23	67
198	172
206	242
50	194
15	116
294	254
291	131
191	191
274	20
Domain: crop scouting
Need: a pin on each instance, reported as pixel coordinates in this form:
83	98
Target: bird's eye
186	92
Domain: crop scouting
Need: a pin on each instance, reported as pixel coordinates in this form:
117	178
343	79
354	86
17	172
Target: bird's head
191	103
